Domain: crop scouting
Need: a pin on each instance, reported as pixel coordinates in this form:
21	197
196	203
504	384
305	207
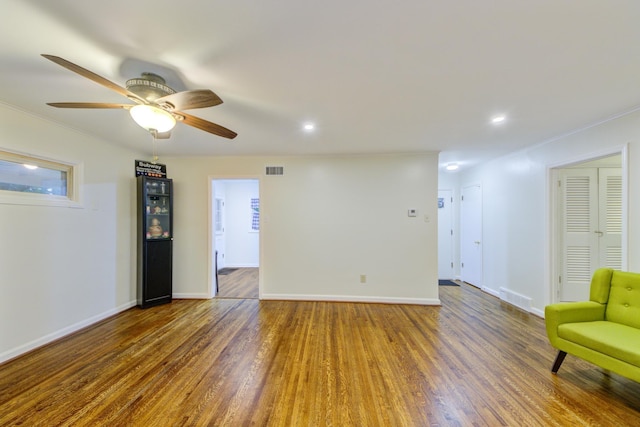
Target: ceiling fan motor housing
149	86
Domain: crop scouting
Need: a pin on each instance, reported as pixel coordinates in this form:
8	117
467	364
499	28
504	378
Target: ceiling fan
157	107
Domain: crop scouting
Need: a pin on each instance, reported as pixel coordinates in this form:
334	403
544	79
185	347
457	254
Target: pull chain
154	135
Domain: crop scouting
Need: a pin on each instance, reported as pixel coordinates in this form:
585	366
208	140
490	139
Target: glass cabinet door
158	209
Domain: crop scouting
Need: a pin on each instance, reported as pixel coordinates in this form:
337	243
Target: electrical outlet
363	278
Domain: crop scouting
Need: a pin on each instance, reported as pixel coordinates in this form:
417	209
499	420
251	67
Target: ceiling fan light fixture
152	118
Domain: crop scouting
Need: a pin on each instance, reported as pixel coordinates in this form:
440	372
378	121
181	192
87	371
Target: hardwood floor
241	283
235	362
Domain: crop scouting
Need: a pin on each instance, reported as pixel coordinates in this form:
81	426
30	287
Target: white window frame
74	172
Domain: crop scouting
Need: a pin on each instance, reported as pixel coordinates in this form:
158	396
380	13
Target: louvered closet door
610	227
579	222
591	201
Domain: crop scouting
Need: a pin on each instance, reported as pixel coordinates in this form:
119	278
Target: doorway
235	229
588	221
445	235
471	235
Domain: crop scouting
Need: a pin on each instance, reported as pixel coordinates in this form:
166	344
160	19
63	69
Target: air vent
516	299
274	170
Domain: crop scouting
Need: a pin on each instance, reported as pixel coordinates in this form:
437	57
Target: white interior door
219	226
590	201
471	235
610	217
579	213
445	235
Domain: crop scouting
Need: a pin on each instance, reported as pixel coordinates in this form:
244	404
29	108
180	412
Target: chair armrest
570	312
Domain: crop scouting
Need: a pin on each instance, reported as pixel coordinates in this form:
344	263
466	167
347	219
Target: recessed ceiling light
309	127
452	167
498	119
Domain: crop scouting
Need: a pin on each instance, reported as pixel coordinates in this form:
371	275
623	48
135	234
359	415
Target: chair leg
559	359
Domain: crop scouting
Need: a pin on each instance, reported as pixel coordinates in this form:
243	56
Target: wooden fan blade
93	76
206	126
88	105
190	99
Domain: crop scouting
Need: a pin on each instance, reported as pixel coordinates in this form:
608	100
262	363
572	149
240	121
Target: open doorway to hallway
238	283
235	226
445	235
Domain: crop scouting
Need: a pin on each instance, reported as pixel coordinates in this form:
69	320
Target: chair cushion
600	285
624	299
613	339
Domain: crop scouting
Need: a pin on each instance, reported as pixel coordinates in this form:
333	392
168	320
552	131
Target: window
217	216
26	179
255	214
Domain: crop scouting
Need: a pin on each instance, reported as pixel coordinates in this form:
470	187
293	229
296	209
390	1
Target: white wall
516	207
327	221
64	268
242	244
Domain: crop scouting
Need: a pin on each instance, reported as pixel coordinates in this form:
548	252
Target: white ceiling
375	76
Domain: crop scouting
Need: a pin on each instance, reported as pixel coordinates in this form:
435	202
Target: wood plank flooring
238	362
242	283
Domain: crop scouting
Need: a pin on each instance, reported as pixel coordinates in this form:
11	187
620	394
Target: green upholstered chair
604	330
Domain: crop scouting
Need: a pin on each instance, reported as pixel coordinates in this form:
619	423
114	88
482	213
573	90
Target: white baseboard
519	300
351	298
537	312
191	296
491	292
239	266
24	348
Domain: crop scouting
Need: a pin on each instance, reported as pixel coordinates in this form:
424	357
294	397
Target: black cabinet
155	241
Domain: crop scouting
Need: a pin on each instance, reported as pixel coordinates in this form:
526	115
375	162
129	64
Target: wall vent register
274	170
